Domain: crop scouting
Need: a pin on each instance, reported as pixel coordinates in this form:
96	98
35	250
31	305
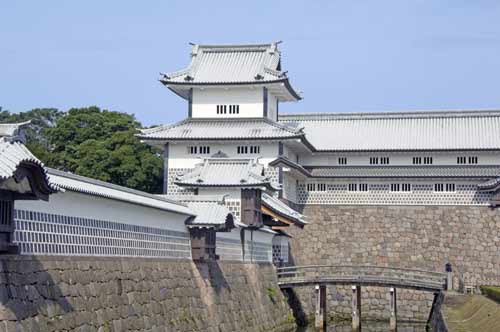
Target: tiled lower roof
407	171
12	129
221	129
282	209
427	171
210	210
13	154
226	172
98	188
490	185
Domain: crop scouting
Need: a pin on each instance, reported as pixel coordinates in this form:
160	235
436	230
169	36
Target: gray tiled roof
426	171
438	130
221	129
210	210
13	154
281	208
408	171
98	188
490	185
12	129
226	172
231	64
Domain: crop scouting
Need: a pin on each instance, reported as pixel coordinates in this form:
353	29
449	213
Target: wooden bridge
357	276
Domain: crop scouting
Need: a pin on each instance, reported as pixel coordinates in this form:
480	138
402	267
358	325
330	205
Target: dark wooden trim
277	109
251	203
190	103
264	98
280	170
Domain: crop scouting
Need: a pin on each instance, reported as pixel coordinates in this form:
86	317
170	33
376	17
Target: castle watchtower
233	81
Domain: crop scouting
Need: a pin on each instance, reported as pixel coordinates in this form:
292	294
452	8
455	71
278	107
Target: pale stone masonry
110	294
425	237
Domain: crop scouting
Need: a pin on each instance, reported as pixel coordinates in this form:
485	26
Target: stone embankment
126	294
425	237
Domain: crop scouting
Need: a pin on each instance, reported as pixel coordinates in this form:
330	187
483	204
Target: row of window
224	109
202	149
241	149
467	160
394	187
415	160
248	149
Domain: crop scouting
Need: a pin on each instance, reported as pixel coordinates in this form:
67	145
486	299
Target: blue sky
346	56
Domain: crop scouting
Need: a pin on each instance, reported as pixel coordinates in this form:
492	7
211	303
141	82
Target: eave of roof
14	154
12	129
283	210
230	65
103	189
226	173
403	171
192	129
490	185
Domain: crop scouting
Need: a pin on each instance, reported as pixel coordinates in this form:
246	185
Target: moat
368	326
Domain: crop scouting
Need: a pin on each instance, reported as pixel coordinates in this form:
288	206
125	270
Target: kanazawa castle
237	138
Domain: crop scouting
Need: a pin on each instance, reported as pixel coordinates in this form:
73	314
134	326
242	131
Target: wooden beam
269	212
393	320
356	308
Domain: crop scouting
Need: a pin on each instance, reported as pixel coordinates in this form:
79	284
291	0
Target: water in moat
366	327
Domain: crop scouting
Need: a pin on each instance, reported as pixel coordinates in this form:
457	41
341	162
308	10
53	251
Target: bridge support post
393	322
320	313
356	308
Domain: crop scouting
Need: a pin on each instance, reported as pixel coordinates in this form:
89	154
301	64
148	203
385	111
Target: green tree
102	145
41	119
92	142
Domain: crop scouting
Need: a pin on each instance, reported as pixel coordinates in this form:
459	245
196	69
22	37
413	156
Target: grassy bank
493	292
471	313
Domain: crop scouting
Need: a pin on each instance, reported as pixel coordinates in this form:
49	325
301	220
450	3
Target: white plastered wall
250	99
180	158
76	204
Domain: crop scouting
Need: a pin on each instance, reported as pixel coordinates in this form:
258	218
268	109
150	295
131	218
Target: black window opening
311	187
363	187
228	109
321	186
373	160
352	187
342	160
248	149
203	149
440	187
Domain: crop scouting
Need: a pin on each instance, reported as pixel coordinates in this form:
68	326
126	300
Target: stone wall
40	293
425	237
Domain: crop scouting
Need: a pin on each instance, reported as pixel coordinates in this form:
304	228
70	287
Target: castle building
233	93
409	189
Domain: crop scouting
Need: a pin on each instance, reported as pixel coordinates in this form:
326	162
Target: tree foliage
92	142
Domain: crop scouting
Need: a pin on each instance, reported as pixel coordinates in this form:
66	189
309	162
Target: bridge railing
362	274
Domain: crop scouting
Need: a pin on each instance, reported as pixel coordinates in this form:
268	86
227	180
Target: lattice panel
174	189
234	206
51	234
380	194
280	249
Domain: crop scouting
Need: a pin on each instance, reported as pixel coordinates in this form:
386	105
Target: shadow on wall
296	306
213	276
27	289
